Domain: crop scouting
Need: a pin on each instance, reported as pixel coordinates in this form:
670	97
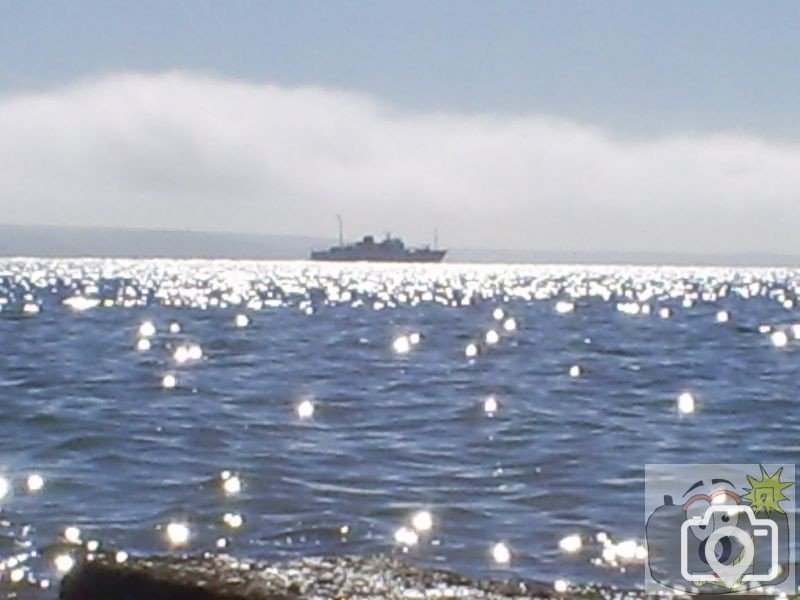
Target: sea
494	420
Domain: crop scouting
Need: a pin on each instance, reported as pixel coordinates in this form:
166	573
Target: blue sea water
398	427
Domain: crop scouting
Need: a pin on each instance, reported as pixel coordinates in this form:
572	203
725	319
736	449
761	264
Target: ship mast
341	230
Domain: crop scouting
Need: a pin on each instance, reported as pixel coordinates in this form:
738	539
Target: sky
556	126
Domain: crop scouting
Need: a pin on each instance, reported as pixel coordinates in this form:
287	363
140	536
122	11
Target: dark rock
226	578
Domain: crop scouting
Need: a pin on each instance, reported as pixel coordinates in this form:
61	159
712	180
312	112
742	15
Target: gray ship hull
347	255
387	250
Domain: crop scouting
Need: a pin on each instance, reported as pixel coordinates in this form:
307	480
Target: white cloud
186	151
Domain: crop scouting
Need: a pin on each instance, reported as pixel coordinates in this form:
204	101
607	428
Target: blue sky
633	66
557	126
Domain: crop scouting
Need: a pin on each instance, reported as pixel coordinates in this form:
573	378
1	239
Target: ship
390	249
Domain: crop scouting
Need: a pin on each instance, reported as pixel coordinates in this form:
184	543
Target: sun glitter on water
147	329
72	535
571	544
779	339
501	553
35	482
406	536
686	403
232	484
305	409
64	563
177	533
401	344
233	520
422	521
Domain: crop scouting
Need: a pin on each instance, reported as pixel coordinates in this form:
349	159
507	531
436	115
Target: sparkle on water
233	520
564	307
305	408
79	303
181	354
177	533
187	352
35	482
31	308
686	403
620	553
147	329
422	521
571	543
72	535
406	536
561	586
501	553
232	485
64	563
779	339
401	344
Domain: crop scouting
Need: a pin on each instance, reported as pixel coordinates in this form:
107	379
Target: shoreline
223	577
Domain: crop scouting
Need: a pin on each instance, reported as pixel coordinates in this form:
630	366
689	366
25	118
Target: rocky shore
222	577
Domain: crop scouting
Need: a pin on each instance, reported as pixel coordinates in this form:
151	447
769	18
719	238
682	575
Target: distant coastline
63	242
